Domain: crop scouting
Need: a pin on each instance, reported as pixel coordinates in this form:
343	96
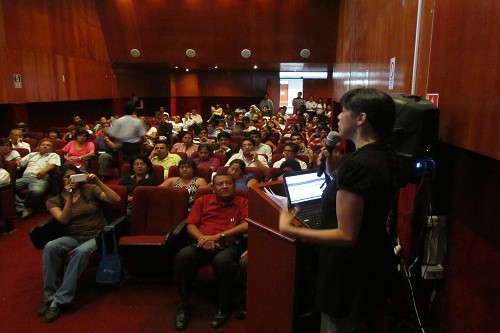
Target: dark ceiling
274	31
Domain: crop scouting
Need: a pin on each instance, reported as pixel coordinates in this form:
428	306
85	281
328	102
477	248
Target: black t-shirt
351	280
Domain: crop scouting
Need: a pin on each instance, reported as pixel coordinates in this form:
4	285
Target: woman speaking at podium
355	250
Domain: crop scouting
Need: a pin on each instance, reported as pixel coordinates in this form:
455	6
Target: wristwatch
222	235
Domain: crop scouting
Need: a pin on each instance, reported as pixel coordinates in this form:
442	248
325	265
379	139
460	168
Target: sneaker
53	313
42	309
26	213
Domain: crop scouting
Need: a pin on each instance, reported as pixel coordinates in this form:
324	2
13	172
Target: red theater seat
155	212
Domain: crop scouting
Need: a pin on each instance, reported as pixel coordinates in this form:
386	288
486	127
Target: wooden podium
273	266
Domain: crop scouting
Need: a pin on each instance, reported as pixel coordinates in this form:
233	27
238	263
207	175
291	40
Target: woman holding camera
76	206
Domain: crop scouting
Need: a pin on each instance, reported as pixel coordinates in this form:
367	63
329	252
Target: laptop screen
303	186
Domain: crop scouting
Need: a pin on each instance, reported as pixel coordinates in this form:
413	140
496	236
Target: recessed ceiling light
190	53
216	66
176	67
135	53
245	53
255	67
187	69
305	53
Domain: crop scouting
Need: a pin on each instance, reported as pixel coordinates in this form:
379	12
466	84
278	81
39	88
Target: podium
275	293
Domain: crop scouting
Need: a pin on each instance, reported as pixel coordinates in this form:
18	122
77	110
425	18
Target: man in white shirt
197	120
261	148
16	137
128	131
290	153
35	177
249	155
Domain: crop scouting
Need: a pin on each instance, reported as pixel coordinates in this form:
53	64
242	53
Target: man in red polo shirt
215	223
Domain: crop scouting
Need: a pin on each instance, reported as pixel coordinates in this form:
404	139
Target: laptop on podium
304	189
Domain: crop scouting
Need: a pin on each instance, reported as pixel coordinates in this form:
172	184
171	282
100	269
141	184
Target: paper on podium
280	200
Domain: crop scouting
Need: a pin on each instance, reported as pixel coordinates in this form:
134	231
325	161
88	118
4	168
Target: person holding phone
76	206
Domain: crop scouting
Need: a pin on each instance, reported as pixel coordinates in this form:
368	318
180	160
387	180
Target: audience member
138	103
128	131
187	178
297	102
203	137
215	224
80	150
161	156
266	102
223	140
16	137
54	134
261	148
141	175
249	155
197	120
243	179
35	177
186	146
165	129
4	174
6	151
289	153
206	157
286	167
76	206
106	149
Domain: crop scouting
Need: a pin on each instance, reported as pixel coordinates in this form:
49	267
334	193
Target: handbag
44	233
109	271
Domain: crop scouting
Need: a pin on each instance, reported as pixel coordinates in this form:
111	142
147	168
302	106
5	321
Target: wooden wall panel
47	39
464	70
275	31
370	34
317	88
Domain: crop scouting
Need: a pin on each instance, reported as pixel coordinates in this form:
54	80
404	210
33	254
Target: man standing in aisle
215	225
129	131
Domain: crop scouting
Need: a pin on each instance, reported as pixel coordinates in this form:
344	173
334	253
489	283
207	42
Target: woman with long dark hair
356	259
76	206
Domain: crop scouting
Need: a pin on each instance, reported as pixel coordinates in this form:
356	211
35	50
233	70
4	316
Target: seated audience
289	153
298	139
243	180
215	224
141	175
16	137
161	156
53	134
76	206
203	137
106	150
249	155
187	178
35	177
80	150
223	145
165	129
150	136
186	146
4	174
286	167
206	157
6	151
261	148
102	121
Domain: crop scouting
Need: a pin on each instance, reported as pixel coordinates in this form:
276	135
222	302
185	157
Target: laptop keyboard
311	217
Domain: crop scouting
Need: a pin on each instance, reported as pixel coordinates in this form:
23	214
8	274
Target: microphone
331	141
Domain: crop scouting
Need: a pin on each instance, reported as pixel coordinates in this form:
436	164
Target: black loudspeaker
416	127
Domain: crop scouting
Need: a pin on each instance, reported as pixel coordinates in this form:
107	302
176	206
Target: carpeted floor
135	306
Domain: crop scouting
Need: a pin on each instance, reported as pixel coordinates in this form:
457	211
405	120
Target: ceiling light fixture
255	67
176	67
245	53
187	69
190	53
216	67
305	53
135	53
